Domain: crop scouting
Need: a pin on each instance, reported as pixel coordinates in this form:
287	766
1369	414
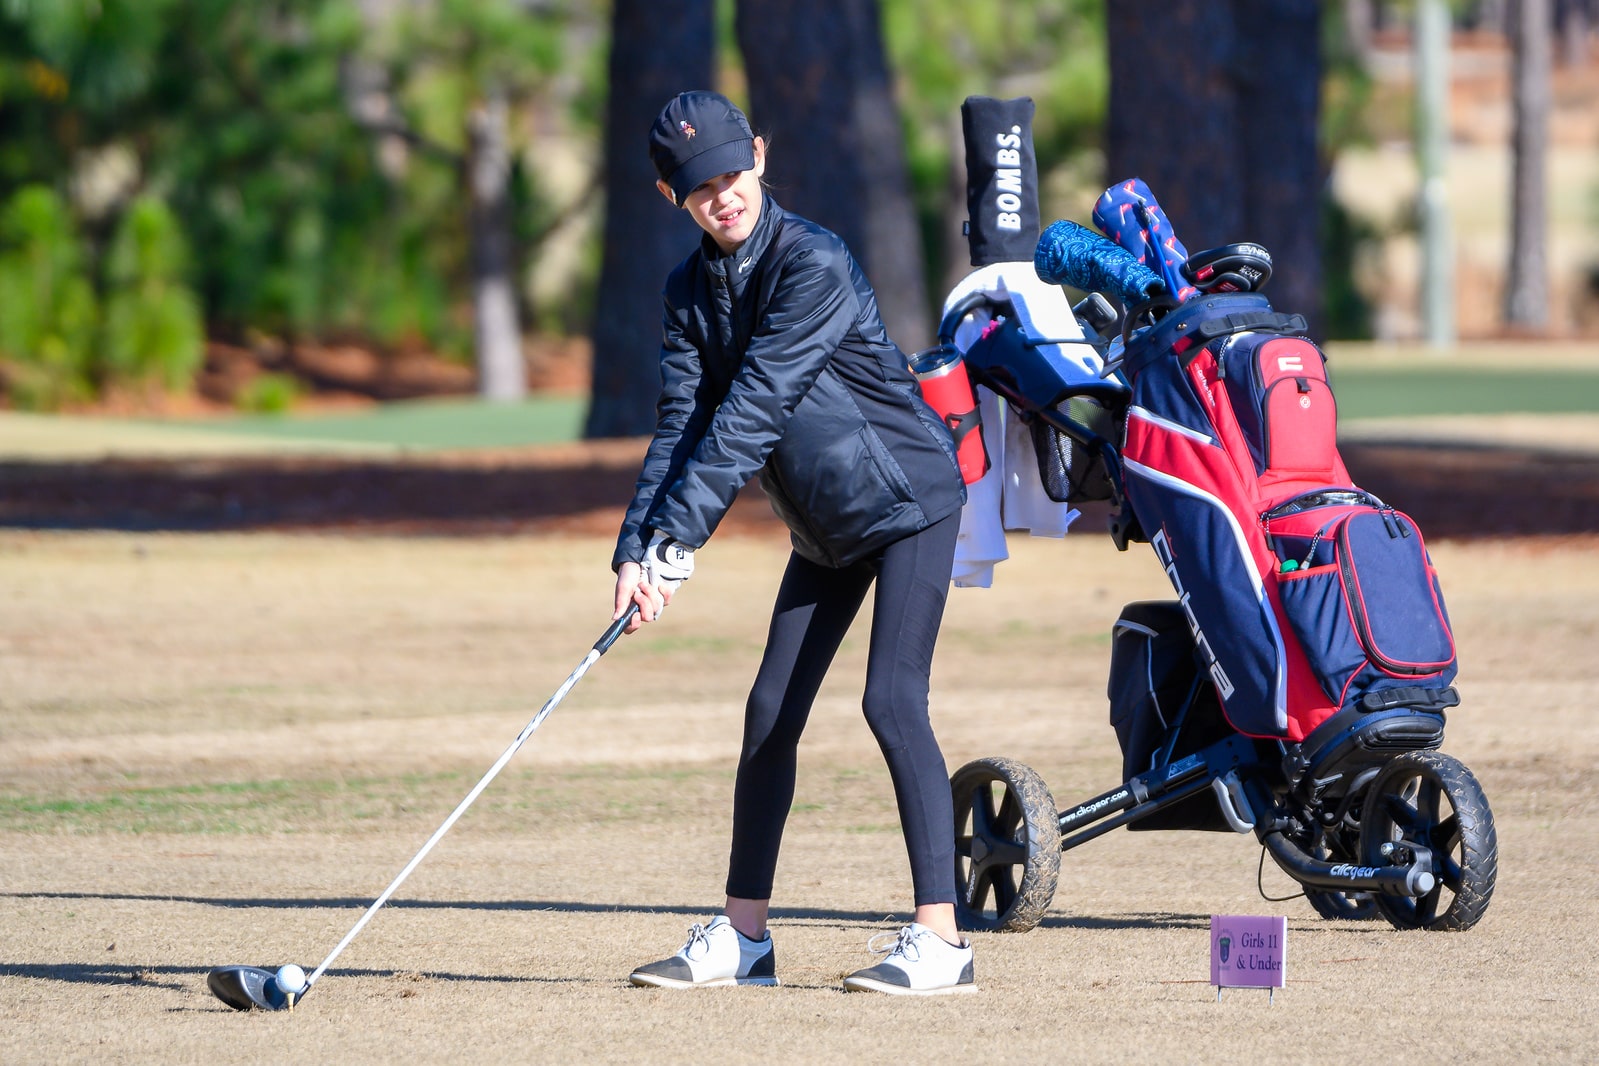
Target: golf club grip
615	630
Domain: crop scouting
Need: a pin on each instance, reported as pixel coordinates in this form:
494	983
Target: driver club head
248	988
1242	267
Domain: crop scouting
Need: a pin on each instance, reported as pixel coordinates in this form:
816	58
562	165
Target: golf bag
1302	593
1295	686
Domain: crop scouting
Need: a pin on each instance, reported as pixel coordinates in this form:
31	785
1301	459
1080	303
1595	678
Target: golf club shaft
600	647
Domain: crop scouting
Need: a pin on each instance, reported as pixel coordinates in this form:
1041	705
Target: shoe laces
902	944
698	936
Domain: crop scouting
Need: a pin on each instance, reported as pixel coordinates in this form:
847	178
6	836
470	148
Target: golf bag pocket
1364	603
1161	706
1285	409
1152	675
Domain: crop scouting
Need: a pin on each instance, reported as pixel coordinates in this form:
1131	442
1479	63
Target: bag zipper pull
1310	555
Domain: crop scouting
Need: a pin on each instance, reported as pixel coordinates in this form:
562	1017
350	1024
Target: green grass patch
1378	392
422	425
593	795
411	425
226	807
222	807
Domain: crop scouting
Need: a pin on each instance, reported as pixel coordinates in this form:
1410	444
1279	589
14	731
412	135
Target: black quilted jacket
774	360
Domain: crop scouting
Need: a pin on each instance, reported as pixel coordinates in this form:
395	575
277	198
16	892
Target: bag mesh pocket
1069	472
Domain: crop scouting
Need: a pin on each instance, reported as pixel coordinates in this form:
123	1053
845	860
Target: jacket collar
749	253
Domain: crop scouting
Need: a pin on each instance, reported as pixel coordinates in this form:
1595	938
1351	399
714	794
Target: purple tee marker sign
1248	952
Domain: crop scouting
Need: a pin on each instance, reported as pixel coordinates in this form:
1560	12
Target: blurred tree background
186	185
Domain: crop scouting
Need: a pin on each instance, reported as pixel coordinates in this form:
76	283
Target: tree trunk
1215	106
1493	16
820	89
1173	113
957	249
1575	18
502	374
652	59
1527	277
1284	176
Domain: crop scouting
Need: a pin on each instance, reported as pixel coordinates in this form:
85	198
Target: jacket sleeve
812	308
681	414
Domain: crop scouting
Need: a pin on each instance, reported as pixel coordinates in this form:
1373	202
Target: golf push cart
1295	687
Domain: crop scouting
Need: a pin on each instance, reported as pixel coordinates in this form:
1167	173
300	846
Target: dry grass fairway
218	749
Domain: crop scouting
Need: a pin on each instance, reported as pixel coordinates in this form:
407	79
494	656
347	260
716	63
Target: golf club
257	988
1244	267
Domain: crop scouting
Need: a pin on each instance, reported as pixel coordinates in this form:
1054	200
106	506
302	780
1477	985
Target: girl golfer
774	361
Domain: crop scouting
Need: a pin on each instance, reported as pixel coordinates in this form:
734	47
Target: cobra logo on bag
1207	655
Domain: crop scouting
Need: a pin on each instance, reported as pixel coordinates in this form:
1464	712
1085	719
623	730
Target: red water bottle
941	372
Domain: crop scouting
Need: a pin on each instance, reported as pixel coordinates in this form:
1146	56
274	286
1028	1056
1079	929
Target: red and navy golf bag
1303	593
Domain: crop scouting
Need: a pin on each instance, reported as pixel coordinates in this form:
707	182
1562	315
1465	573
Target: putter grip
1074	255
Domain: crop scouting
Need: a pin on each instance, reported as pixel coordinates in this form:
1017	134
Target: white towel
981	542
1024	504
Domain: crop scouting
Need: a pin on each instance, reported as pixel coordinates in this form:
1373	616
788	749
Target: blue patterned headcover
1074	255
1129	213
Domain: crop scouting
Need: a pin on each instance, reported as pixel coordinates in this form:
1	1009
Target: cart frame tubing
1154	789
1162	786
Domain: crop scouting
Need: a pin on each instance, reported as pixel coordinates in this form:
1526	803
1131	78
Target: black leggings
815	606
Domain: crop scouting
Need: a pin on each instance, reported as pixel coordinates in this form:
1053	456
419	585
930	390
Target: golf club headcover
1131	216
1002	215
667	563
1072	254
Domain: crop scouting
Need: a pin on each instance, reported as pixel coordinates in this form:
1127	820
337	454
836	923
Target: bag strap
1189	327
1231	325
1243	321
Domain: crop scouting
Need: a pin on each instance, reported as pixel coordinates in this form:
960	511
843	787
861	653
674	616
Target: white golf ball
291	979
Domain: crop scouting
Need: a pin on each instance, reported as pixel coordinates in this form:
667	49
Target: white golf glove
667	564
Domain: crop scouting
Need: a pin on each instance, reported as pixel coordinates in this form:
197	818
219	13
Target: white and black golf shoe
715	956
919	963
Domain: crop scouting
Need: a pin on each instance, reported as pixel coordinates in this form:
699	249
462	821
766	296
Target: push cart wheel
1007	846
1431	799
1339	844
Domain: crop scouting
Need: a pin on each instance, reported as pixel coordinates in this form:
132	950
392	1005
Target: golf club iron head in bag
257	988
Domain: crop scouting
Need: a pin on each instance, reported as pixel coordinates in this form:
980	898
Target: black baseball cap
698	135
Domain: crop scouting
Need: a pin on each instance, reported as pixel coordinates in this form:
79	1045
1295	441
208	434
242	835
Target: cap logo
688	131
